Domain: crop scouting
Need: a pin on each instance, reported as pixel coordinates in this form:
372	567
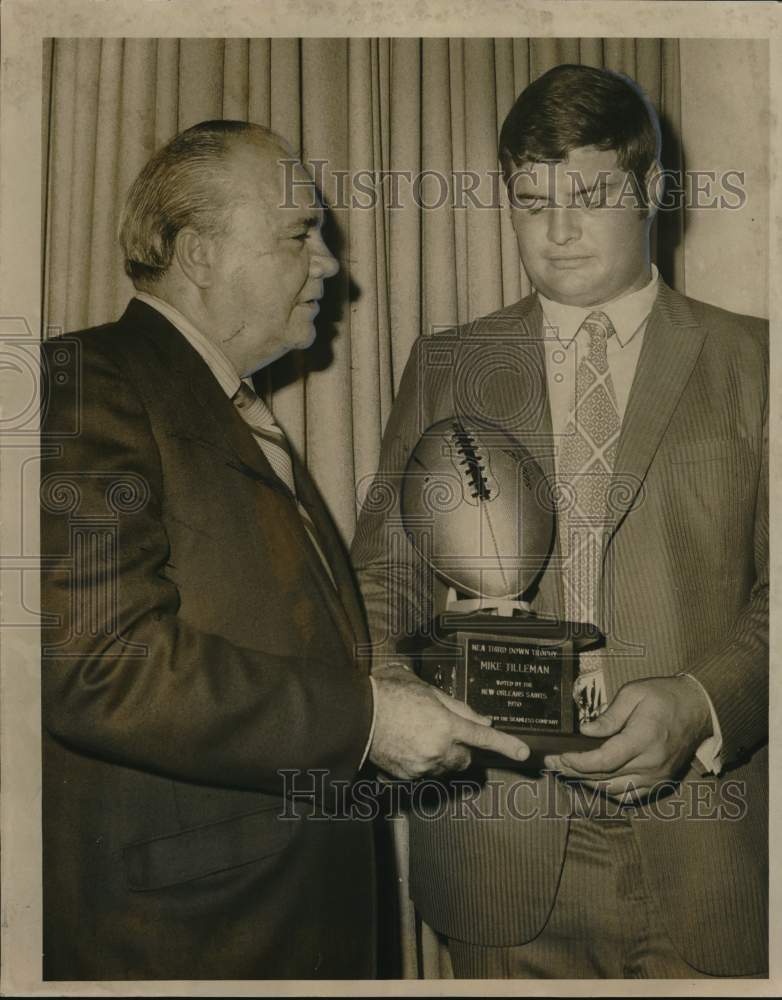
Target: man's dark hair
572	106
186	183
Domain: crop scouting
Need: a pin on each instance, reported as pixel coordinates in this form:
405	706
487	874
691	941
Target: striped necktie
271	439
584	467
267	433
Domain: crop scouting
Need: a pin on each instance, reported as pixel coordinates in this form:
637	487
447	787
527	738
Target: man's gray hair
186	183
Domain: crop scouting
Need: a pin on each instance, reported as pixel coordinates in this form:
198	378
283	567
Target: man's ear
194	253
653	184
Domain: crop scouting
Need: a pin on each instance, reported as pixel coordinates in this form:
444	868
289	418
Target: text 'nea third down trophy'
477	508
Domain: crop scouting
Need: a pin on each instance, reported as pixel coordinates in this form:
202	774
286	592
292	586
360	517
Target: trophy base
541	745
518	670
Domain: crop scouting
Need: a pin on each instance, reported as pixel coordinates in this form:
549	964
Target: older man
647	412
199	656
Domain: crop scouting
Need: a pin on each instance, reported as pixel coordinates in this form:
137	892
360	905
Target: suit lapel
519	395
212	418
521	405
549	596
672	343
346	604
206	414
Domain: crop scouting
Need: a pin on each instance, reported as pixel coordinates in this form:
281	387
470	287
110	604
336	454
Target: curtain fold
407	129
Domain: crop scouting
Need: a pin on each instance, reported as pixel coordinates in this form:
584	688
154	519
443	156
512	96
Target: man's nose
323	263
563	224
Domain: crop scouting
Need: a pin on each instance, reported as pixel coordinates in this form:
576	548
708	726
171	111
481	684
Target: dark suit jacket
686	585
194	647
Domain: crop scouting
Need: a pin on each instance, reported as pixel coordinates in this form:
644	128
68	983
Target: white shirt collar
627	313
213	356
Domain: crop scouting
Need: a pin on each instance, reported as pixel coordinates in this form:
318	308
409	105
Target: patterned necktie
584	467
271	439
267	433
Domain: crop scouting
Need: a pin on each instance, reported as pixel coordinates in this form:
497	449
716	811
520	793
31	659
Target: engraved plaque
523	685
519	672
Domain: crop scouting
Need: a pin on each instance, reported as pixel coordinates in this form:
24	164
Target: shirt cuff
709	752
393	660
372	726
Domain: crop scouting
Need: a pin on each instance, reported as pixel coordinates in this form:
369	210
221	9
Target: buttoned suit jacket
193	648
685	582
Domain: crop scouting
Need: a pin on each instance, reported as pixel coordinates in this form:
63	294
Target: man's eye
301	236
592	199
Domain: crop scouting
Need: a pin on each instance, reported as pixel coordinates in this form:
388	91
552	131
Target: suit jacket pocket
205	850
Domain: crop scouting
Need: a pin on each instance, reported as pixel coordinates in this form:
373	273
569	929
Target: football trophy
479	511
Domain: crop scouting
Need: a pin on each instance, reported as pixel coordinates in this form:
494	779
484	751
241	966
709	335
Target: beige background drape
361	105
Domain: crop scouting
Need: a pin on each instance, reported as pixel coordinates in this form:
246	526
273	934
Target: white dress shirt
564	345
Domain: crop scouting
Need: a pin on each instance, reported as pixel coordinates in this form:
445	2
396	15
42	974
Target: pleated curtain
430	108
